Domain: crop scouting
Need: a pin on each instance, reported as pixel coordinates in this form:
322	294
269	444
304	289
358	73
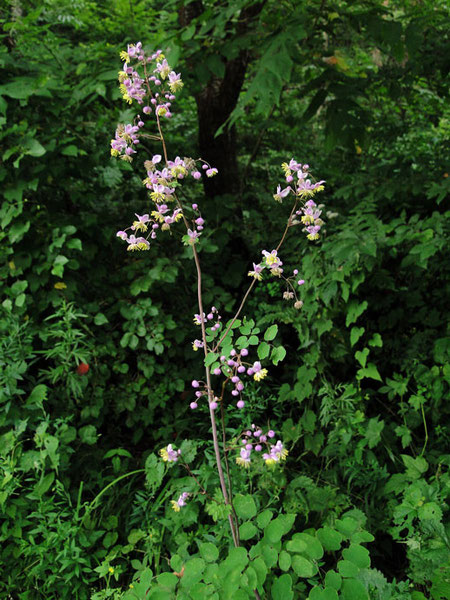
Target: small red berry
82	369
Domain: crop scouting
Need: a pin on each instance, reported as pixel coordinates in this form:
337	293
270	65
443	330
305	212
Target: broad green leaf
352	589
358	555
284	560
263	350
303	567
282	588
355	334
271	332
208	552
245	506
247	530
263	518
347	568
329	538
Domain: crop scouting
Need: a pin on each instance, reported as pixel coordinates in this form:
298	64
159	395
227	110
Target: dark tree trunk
215	103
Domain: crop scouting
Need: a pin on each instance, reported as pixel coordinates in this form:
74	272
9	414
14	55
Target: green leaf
329	538
354	311
333	580
263	518
361	356
193	570
210	358
358	555
70	151
209	552
415	467
278	354
306	544
370	372
263	350
245	506
319	593
352	589
355	334
282	588
43	485
284	560
100	319
271	332
247	530
303	567
347	568
376	340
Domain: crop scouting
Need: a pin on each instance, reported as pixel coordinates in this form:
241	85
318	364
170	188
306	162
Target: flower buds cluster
302	187
255	440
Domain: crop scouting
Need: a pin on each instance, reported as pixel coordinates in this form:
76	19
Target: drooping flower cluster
149	80
270	261
178	504
126	136
169	454
234	368
254	440
302	187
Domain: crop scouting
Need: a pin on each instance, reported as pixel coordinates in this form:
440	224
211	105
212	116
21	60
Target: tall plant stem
226	496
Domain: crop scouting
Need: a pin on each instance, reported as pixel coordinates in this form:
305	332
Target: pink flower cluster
234	368
126	136
255	440
302	187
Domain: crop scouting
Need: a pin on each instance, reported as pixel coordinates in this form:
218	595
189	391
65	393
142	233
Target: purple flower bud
171	97
204	166
241	369
235	393
235	379
257	433
263	438
147	110
200	227
213	405
231	363
195	207
157	82
193	405
271	433
196	175
200	221
195	384
223	358
289	178
249	433
258	447
301	281
217	371
153	101
198	394
248	446
244	352
295	271
210	316
240	404
240	386
141	123
250	372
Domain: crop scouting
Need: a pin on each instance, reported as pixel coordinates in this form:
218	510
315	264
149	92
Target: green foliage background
358	90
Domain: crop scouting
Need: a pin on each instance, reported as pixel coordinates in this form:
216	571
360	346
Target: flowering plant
148	80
